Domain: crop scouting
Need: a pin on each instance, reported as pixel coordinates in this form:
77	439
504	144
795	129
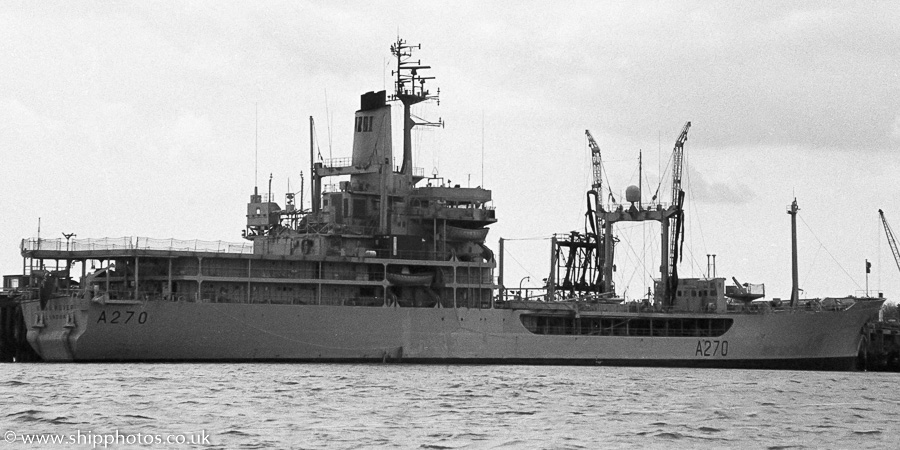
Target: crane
596	190
677	220
890	238
597	163
596	186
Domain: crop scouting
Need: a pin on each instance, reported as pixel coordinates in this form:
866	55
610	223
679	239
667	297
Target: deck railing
135	243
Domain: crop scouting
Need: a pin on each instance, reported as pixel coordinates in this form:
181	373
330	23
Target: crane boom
604	249
677	220
597	163
677	157
890	238
677	194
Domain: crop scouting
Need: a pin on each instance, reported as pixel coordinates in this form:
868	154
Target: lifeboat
410	279
466	234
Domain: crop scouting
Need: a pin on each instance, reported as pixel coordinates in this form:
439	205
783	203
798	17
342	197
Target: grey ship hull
76	329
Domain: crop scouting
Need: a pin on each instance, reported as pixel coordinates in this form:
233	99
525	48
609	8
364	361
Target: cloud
702	190
760	76
189	128
22	124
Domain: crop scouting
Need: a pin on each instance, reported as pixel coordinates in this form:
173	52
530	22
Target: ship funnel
372	130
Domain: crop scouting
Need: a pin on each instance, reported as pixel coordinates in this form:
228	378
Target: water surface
446	407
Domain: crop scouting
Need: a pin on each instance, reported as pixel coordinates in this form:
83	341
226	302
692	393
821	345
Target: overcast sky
129	119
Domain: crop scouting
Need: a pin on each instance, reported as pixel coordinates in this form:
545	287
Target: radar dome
633	194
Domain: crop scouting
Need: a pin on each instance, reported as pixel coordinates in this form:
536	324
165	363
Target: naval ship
391	265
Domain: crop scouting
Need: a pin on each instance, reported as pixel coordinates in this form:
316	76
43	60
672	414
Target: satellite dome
633	194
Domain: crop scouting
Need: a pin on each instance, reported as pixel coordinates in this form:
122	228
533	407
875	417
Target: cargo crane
677	220
597	164
890	238
577	258
597	185
596	225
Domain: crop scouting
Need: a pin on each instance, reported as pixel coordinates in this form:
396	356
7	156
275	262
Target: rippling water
441	407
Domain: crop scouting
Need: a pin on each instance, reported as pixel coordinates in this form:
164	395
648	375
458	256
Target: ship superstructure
399	237
389	264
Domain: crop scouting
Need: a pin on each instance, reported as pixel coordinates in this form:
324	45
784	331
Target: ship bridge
452	203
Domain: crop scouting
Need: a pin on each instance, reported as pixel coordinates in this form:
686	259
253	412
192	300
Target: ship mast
795	289
315	181
409	89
